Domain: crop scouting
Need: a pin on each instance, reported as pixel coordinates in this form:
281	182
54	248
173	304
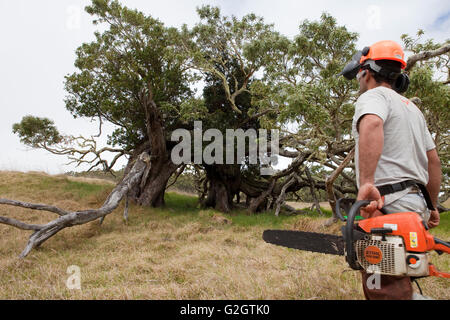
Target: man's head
378	65
369	78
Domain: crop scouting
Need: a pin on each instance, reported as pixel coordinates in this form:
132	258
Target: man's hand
434	219
368	191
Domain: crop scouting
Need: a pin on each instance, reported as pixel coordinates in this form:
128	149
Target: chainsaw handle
441	245
434	272
349	227
343	202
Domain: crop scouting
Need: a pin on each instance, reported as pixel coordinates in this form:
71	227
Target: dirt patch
306	205
90	180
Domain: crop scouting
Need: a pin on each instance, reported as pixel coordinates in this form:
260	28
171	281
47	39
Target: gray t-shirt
406	137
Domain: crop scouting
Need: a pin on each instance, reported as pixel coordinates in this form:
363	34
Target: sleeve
372	102
429	142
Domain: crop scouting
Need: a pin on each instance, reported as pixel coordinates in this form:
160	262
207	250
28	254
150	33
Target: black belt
392	188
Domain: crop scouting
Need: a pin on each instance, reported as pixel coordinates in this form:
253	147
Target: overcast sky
39	39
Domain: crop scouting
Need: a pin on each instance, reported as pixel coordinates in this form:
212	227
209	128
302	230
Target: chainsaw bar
307	241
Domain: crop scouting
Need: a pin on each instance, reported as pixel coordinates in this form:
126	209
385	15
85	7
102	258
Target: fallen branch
70	219
33	206
282	196
312	188
329	185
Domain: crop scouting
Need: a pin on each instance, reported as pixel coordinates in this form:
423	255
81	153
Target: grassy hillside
178	252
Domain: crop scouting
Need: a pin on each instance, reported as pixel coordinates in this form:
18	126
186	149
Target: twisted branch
70	219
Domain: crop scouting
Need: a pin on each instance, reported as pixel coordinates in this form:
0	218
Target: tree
429	71
302	81
132	77
228	52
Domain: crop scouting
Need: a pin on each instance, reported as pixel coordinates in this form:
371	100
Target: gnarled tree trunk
224	184
150	191
154	183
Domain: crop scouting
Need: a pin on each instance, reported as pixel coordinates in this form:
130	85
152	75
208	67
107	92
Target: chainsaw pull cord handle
349	227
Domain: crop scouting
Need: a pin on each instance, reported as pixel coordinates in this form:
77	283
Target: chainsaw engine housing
387	255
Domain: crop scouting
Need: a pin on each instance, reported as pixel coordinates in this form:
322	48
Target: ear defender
401	84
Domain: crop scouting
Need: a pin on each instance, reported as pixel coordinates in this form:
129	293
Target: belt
396	187
392	188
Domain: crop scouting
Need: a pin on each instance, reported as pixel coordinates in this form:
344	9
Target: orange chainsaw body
412	229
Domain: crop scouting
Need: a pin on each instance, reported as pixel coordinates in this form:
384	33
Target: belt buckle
398	187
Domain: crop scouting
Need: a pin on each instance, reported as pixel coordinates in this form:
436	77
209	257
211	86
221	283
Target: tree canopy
140	75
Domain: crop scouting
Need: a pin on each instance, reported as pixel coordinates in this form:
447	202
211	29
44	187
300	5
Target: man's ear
364	73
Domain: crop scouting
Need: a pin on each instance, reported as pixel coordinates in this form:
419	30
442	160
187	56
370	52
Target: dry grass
179	252
446	204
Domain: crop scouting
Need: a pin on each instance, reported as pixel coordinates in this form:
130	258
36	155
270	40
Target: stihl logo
373	255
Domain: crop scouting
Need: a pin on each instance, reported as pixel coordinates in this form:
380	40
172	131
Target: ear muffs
401	84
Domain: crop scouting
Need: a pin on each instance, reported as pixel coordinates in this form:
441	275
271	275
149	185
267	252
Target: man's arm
371	142
435	176
434	184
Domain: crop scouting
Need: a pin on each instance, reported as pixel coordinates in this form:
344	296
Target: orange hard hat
384	50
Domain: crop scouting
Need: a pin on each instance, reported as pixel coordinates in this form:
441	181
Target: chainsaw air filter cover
385	257
389	257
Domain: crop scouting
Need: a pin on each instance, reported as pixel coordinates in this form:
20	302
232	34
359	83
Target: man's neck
382	84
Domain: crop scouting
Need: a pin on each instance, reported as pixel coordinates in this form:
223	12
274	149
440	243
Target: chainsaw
396	244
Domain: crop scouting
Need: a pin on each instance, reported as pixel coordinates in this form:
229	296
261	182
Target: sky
38	40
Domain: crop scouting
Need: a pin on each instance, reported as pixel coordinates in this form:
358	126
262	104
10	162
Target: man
395	154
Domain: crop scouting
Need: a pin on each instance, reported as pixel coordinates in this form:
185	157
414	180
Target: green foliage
302	79
318	95
193	110
36	132
227	47
427	82
315	105
134	55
